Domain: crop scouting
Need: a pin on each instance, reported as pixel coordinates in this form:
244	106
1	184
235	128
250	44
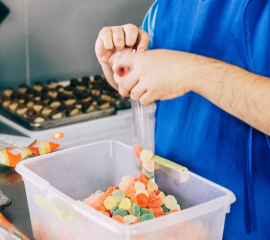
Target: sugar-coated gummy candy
129	219
152	185
128	179
162	196
113	209
146	155
110	190
138	185
129	190
140	190
176	207
143	178
125	204
154	201
122	212
97	192
122	184
109	202
157	211
170	201
118	195
146	211
139	162
149	165
146	217
148	174
137	150
118	218
132	200
136	179
138	168
165	209
149	191
130	211
142	200
136	210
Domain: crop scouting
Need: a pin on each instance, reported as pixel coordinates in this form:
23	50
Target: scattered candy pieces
142	178
170	201
154	201
129	190
162	196
118	218
139	162
146	217
146	211
152	186
149	165
176	207
146	155
110	190
122	212
157	211
113	209
136	209
165	209
137	150
138	185
140	190
129	219
118	195
109	202
148	174
125	204
142	200
97	192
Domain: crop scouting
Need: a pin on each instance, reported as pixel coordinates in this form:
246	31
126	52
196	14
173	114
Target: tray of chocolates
54	104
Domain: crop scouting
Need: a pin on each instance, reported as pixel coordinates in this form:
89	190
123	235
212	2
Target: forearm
241	93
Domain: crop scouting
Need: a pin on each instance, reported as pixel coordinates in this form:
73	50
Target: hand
116	38
155	75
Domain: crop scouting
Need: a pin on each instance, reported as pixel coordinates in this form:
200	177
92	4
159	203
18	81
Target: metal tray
29	124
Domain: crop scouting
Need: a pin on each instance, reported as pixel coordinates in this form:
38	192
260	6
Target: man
211	64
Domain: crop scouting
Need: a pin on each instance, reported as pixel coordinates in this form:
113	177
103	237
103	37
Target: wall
61	36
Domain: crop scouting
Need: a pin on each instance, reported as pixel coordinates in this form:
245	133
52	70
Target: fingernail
142	50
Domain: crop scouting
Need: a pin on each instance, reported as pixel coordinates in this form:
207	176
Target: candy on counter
9	231
139	200
4	201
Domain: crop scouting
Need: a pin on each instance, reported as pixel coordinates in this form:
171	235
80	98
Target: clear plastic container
55	184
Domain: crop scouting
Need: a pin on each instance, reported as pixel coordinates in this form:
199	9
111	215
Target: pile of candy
134	200
145	163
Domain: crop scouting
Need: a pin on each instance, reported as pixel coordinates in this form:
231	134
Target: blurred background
47	39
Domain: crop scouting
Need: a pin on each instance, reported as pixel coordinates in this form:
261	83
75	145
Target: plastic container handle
52	209
169	164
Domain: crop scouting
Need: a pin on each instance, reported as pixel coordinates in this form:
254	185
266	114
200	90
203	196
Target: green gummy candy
146	211
97	192
118	195
113	209
136	210
120	211
165	209
148	174
147	216
137	167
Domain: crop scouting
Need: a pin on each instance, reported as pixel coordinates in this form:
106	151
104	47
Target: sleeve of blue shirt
148	24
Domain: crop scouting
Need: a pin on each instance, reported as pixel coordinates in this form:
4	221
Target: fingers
143	39
122	61
106	36
131	34
138	91
118	38
127	83
146	99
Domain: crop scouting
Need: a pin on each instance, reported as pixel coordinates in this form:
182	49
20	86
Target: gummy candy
148	174
139	162
113	209
149	165
157	211
118	218
118	195
122	212
146	211
136	210
146	155
144	179
154	201
132	200
170	201
122	184
165	209
138	168
129	190
137	150
152	186
146	217
130	211
97	192
174	210
110	189
176	207
142	200
140	190
109	202
125	204
129	219
138	185
116	188
128	179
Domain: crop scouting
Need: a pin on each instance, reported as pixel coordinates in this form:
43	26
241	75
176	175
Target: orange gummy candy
118	218
142	200
174	210
143	179
129	190
154	201
110	190
116	188
105	213
137	150
157	211
139	162
157	192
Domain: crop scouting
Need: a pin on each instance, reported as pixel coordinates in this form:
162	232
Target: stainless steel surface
17	214
29	124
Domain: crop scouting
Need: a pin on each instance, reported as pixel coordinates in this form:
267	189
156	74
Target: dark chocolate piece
29	113
74	82
61	96
29	102
45	98
84	96
37	96
38	105
85	80
88	107
53	93
30	92
78	104
52	83
103	104
60	88
81	87
55	114
54	103
1	98
38	86
97	78
8	91
62	108
15	95
69	100
71	110
13	105
21	109
38	118
68	90
22	98
46	111
45	90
